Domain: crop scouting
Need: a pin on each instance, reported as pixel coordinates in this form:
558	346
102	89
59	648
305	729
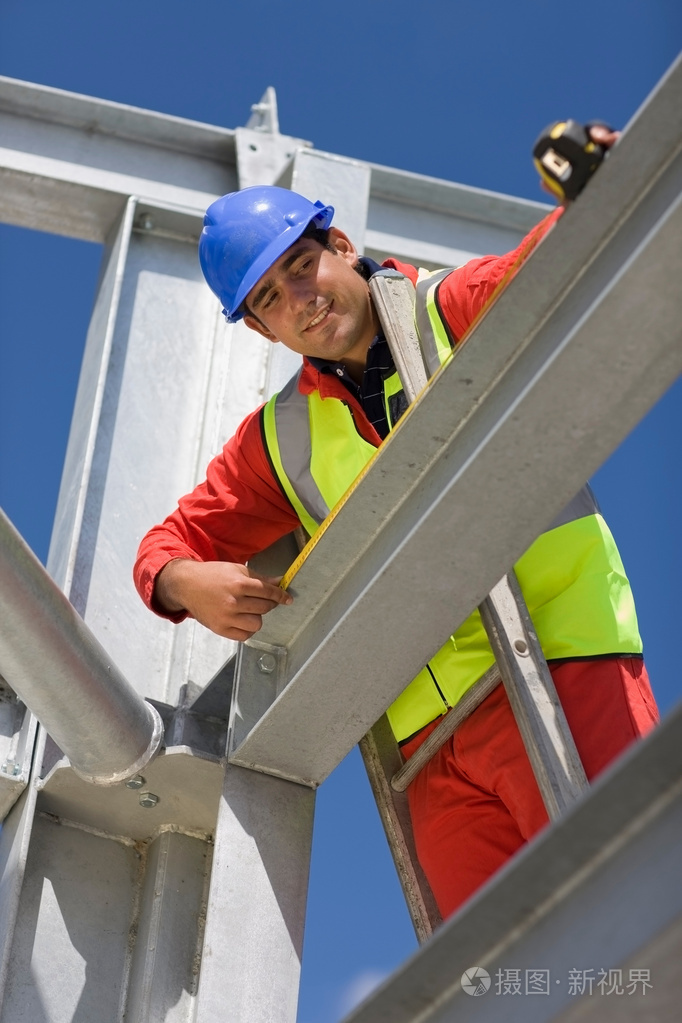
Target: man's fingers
240	635
266	588
255	605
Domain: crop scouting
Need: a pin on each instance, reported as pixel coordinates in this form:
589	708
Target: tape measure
566	157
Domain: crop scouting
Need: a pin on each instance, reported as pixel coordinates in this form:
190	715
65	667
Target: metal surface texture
256	905
17	739
164	969
15	838
107	928
462	487
393	298
597	890
163	382
533	698
58	668
337	181
68	162
185	787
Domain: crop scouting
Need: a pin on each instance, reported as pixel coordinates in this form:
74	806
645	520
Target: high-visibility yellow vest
572	576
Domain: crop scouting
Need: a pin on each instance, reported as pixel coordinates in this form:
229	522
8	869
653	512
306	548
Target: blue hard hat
246	232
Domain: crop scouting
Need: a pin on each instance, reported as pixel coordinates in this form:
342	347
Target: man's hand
227	598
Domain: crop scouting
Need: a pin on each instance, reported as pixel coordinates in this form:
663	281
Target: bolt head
521	647
148	800
147	222
136	782
267	663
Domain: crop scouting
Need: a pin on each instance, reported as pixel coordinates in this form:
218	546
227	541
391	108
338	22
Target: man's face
315	303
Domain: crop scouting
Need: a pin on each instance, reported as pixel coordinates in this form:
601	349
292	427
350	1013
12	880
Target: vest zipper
357	428
438	688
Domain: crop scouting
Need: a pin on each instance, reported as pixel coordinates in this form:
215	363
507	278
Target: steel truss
180	893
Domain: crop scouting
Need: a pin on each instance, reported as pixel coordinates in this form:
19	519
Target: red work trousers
476	802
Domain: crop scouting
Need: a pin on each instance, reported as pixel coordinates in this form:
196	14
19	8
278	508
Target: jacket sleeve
466	292
238	510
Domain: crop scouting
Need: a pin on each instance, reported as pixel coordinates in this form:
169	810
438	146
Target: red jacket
240	508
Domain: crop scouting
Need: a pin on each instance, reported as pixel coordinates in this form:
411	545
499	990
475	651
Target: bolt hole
253	147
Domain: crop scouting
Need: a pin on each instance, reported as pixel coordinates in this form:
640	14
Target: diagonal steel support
597	891
464	485
51	659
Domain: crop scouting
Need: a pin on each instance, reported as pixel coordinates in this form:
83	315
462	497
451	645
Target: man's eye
270	300
305	265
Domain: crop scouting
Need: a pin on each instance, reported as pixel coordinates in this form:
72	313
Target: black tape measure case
566	157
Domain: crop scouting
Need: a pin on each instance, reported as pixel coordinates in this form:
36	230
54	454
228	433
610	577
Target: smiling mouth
317	320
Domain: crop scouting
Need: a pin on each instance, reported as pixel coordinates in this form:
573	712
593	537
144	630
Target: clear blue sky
450	88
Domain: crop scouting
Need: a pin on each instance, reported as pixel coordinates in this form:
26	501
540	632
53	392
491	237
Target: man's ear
343	245
253	323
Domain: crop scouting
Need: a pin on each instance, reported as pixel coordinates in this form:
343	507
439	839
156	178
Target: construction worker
274	258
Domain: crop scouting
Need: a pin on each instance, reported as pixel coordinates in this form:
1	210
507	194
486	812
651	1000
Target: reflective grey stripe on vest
295	447
423	320
584	503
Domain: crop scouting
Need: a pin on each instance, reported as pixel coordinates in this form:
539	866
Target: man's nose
302	295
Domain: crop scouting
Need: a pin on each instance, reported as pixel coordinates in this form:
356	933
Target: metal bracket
260	675
264	113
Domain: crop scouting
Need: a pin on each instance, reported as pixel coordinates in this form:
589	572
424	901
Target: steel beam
551	380
68	162
256	904
102	926
163	381
598	891
54	663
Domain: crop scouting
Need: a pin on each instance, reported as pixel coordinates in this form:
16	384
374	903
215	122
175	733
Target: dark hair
319	235
322	236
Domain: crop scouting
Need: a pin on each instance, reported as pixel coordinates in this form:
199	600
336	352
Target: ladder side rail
382	760
533	697
521	663
393	297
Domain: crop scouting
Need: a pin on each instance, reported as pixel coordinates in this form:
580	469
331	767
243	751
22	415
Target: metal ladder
520	666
